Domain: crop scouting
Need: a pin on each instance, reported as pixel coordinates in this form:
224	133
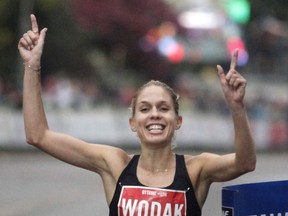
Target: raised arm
31	47
95	157
223	168
208	168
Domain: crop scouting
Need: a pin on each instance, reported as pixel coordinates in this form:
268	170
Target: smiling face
155	119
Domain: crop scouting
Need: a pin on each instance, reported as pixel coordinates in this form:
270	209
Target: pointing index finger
234	60
34	24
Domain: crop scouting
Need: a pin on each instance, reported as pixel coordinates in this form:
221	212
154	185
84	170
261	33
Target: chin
158	141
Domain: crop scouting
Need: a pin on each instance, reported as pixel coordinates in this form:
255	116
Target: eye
164	108
144	109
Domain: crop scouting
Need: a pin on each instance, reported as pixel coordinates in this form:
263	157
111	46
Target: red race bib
145	201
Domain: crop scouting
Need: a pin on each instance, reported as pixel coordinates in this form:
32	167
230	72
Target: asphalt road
34	184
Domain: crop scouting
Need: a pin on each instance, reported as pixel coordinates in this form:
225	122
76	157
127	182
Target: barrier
111	126
256	199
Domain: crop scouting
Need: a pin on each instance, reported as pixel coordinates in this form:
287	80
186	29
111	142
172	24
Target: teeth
155	127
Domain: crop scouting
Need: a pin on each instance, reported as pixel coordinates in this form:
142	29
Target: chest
156	179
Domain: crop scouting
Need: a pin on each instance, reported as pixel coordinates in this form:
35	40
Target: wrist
237	108
34	67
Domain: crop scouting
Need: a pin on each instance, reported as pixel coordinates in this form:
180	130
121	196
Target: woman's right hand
31	44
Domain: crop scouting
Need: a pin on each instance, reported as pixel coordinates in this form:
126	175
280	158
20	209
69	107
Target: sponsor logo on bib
145	201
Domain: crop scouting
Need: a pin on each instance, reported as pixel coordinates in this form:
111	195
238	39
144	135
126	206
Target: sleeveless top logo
147	201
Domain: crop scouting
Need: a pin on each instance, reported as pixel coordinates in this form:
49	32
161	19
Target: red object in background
237	43
278	134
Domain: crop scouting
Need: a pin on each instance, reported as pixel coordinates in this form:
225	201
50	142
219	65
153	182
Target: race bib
145	201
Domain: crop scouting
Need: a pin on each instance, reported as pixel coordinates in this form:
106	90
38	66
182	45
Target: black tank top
132	197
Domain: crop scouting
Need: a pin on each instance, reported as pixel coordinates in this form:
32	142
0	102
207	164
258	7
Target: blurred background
97	53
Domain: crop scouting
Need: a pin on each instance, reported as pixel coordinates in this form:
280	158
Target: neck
157	162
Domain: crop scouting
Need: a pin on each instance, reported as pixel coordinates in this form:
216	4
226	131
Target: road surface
33	184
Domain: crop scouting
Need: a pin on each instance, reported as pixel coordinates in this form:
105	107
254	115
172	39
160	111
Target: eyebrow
158	103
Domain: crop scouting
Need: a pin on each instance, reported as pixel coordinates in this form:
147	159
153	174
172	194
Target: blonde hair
174	96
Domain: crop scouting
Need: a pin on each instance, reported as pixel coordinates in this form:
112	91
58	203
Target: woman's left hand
233	84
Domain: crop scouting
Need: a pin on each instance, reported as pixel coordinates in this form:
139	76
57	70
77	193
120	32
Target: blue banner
256	199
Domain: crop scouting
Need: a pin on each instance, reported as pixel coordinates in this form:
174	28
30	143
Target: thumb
220	71
42	36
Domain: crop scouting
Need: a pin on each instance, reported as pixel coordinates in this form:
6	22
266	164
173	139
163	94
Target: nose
155	113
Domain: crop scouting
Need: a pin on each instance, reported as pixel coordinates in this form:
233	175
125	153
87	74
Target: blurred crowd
267	98
198	93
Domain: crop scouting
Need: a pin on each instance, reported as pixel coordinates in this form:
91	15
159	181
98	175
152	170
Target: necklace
161	171
158	170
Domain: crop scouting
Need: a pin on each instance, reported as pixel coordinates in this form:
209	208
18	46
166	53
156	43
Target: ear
179	121
132	124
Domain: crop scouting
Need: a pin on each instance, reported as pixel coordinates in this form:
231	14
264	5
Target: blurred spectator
68	93
268	48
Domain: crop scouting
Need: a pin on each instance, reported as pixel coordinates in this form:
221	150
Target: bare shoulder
199	159
109	159
196	166
118	155
111	153
196	163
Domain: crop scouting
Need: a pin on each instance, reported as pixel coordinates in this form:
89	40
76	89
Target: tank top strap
129	173
181	166
134	163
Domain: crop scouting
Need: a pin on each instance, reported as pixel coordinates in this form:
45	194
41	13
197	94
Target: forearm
34	116
244	143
